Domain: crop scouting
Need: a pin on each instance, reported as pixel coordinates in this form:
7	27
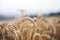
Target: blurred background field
29	19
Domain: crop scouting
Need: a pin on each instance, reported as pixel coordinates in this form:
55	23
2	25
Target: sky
9	7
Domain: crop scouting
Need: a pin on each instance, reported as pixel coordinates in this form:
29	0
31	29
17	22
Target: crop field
27	28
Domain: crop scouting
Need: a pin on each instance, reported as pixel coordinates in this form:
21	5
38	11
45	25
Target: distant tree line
54	14
32	16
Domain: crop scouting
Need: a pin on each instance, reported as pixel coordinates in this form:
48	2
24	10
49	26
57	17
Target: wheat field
27	28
